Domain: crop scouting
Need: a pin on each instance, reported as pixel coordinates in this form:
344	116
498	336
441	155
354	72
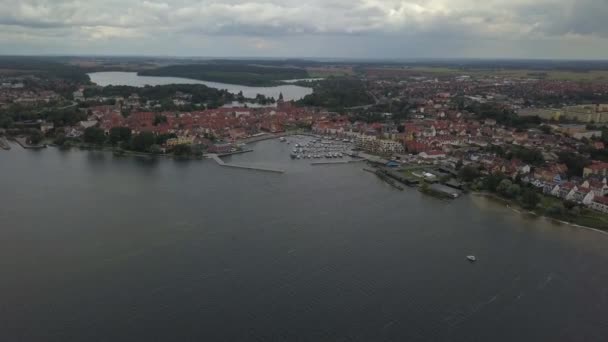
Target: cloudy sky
308	28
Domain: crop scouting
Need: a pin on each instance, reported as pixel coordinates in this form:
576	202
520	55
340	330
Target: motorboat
471	258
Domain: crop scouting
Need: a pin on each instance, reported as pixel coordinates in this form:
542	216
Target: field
564	75
323	72
250	75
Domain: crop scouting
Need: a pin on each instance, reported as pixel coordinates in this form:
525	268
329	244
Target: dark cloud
398	28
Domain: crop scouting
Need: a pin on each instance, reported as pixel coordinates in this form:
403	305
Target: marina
337	162
317	147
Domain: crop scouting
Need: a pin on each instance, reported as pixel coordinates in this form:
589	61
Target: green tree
491	182
143	141
197	151
546	129
468	173
182	150
59	140
5	121
35	137
530	199
119	134
459	164
513	191
156	149
159	119
575	163
555	210
94	135
161	139
504	186
569	204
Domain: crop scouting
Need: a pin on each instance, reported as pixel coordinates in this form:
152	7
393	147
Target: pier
220	162
337	162
233	153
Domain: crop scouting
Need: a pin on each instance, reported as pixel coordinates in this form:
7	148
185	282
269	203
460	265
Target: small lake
290	92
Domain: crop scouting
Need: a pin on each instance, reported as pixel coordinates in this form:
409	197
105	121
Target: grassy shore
585	217
121	152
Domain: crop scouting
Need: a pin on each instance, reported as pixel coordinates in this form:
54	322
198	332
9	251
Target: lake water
101	248
290	92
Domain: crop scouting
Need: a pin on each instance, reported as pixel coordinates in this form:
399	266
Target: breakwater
245	167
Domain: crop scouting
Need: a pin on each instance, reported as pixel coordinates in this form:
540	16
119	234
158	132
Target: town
535	142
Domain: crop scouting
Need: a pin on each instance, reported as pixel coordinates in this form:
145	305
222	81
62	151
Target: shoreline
4	144
510	205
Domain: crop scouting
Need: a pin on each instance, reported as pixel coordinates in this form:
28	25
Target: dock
4	144
337	162
234	153
220	162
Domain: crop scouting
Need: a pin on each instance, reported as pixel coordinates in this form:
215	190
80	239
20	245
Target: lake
290	92
95	247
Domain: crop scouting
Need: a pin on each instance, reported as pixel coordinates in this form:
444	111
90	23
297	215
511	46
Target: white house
599	188
432	154
600	204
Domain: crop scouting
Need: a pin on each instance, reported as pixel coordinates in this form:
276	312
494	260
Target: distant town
532	139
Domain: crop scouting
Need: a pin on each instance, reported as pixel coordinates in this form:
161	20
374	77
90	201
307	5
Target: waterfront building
600	204
220	148
597	168
182	140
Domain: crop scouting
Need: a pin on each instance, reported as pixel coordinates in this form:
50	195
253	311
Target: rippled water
100	248
290	92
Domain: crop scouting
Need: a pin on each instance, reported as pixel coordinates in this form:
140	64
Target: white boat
282	139
471	258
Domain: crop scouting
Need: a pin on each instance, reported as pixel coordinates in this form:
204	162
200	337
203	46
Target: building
180	141
600	204
87	124
220	148
583	113
78	95
46	126
597	168
372	143
432	154
587	135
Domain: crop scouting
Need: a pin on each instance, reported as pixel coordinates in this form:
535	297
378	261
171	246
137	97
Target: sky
555	29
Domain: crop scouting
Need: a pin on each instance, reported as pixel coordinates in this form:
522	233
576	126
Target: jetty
233	153
385	178
220	162
4	144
